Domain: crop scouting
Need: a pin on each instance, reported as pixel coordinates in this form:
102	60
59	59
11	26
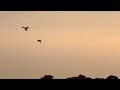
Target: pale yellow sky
73	43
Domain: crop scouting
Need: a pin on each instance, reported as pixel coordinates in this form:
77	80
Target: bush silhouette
47	77
72	78
80	77
112	77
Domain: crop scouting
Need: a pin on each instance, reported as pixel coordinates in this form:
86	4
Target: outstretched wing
25	28
28	27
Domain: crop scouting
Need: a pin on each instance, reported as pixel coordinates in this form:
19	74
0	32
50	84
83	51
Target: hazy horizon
73	43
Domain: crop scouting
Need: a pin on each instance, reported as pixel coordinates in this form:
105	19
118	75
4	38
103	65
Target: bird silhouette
39	41
26	28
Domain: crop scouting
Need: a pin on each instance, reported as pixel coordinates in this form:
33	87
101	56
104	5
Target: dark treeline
80	77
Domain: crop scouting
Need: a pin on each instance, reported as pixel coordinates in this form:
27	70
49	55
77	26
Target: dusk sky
73	43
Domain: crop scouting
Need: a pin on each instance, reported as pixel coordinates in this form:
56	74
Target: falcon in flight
39	41
26	28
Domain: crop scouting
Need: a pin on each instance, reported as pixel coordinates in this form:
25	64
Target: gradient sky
73	43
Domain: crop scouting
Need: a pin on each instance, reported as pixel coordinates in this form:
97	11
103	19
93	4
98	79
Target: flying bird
26	28
39	41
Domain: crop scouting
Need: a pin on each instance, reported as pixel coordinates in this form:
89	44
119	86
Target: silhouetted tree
81	76
47	77
112	77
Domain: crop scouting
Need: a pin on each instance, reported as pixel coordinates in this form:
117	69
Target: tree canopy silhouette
112	77
80	77
47	77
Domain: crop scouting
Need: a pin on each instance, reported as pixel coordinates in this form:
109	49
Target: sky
73	43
